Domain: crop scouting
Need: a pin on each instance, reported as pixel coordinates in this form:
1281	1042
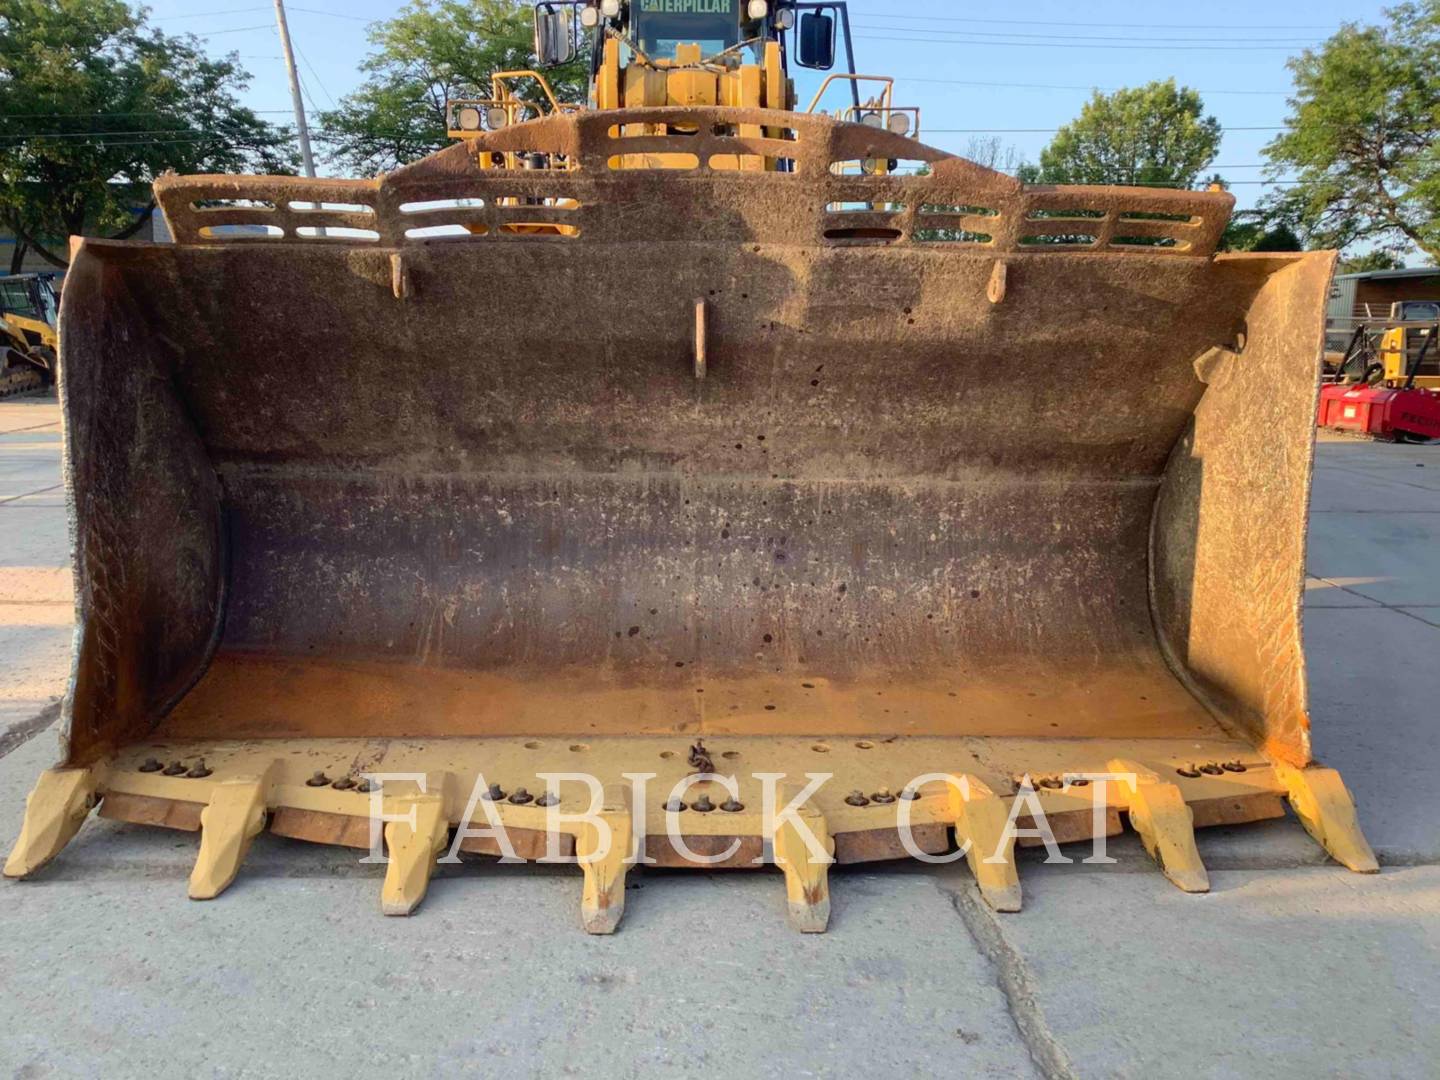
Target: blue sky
971	65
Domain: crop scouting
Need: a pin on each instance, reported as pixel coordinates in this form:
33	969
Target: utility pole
307	159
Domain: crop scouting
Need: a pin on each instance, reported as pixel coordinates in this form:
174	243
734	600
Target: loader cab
631	44
657	32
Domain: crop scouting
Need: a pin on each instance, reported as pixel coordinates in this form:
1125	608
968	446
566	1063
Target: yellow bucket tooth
804	851
603	850
981	822
412	846
1165	823
1326	808
234	816
54	811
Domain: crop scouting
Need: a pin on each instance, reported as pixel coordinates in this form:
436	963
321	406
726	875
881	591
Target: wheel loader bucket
950	490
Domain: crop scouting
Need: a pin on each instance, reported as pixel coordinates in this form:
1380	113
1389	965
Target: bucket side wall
1228	536
146	518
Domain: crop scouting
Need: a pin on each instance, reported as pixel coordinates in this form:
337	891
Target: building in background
1367	296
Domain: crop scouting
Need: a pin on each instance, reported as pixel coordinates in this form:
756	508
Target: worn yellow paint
54	812
233	818
807	877
1327	810
603	860
412	849
980	820
1165	823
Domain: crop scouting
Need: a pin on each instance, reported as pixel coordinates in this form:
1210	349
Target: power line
1057	86
235	30
1052	131
248	10
142	112
96	134
166	131
931	40
306	60
1080	37
1235	27
332	14
191	138
208	14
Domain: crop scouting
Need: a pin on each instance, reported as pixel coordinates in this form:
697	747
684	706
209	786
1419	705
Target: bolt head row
704	805
198	771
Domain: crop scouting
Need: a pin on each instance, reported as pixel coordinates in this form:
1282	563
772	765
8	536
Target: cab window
15	297
661	25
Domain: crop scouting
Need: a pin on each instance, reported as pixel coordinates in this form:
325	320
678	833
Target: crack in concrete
1373	604
28	494
1012	977
22	731
1242	865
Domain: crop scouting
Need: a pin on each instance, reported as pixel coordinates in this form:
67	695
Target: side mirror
554	34
816	43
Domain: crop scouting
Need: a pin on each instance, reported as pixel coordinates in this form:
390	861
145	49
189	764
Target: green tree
1154	134
1370	260
94	105
433	51
1363	135
1253	232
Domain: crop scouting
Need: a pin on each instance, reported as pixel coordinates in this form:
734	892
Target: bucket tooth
412	847
233	818
1326	808
1166	826
54	811
980	819
807	878
604	861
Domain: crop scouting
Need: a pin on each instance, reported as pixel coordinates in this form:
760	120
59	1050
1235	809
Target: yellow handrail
885	95
504	93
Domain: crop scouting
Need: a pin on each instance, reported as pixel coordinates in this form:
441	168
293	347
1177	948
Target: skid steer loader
28	311
684	467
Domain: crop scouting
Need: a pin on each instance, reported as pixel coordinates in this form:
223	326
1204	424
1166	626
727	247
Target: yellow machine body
1398	350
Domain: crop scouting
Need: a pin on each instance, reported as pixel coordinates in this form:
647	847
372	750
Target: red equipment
1380	412
1369	407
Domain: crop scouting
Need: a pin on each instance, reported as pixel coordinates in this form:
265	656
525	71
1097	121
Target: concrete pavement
1289	967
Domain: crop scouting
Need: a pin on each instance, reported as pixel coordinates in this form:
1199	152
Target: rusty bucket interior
1038	497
